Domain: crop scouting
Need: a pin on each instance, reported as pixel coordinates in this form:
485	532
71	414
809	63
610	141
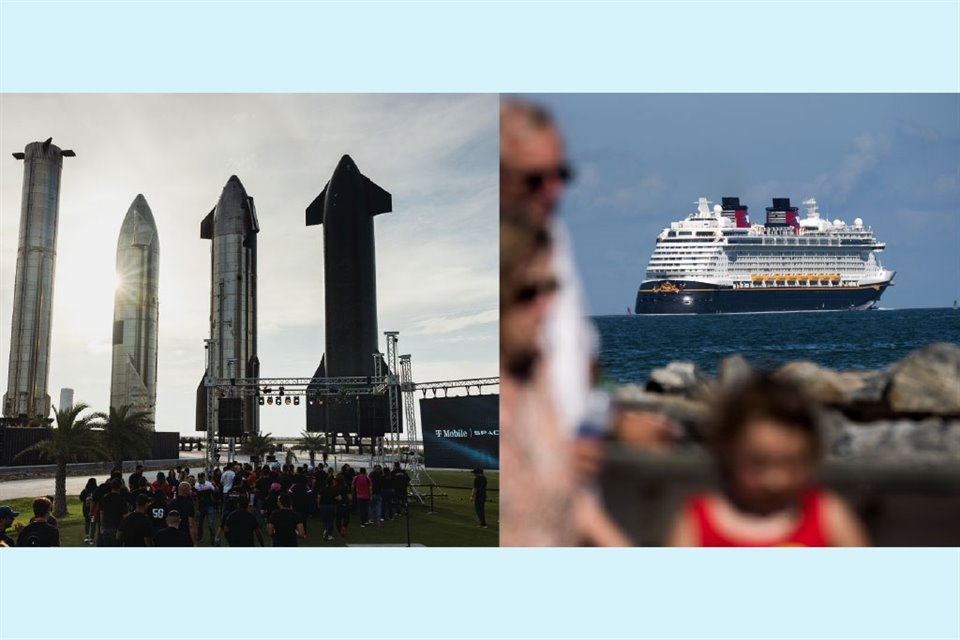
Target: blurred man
533	174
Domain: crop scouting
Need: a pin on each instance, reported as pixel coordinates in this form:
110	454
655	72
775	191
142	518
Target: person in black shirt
183	505
133	482
39	533
158	511
327	499
171	535
113	506
400	483
205	492
86	499
136	530
285	525
7	516
241	526
479	495
344	503
300	497
388	495
376	495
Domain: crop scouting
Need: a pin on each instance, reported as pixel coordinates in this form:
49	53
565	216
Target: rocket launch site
345	209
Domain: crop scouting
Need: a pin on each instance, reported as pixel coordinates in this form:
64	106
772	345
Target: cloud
839	183
437	252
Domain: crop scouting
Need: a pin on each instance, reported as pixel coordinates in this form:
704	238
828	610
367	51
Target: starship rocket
232	351
345	208
26	395
133	380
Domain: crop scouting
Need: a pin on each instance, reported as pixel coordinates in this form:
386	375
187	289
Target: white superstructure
718	246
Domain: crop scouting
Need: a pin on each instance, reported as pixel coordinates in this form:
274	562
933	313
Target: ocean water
633	345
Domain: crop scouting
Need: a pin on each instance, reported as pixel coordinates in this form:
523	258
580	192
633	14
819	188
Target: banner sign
461	432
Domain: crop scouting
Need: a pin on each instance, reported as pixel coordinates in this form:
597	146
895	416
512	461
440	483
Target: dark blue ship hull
690	296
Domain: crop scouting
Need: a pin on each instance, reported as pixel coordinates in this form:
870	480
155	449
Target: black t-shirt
480	486
133	495
185	506
134	528
328	496
242	525
158	515
113	507
101	491
39	534
205	498
172	537
400	480
376	479
263	485
7	540
285	523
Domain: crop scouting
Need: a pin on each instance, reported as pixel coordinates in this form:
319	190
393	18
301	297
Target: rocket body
29	367
133	379
232	227
346	208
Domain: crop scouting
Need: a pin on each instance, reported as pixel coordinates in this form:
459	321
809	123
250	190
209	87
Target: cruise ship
716	261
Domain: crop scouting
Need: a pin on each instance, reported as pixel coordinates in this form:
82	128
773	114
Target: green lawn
453	523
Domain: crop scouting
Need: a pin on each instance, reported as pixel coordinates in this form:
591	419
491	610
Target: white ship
716	261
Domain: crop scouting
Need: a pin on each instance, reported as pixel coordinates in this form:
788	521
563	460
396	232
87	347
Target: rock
866	387
733	370
691	414
681	378
927	441
927	381
823	385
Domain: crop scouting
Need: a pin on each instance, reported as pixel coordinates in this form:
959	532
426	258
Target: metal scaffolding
396	381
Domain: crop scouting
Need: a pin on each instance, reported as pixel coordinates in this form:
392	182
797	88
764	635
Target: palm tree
125	429
312	443
258	445
72	439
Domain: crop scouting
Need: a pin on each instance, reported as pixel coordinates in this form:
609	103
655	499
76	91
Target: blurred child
766	445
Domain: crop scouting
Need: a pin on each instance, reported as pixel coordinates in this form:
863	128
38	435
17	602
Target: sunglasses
534	181
531	291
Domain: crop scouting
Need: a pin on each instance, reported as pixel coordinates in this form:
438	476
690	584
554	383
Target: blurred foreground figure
543	501
766	445
533	173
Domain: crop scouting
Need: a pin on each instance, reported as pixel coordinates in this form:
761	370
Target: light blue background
495	46
480	46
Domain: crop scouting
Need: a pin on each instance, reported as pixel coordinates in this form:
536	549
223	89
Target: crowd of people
272	505
554	418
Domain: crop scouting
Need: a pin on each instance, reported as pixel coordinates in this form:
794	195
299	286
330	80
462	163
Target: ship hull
689	296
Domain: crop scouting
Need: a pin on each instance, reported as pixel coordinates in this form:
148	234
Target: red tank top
809	531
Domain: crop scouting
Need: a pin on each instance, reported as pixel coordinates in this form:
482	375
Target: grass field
452	524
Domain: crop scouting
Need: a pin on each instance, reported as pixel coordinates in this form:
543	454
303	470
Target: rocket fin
378	200
206	227
316	412
201	424
315	212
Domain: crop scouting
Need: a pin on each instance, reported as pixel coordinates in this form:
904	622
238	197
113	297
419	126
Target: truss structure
397	382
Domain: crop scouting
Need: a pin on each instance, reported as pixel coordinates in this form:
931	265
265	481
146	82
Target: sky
437	252
642	160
